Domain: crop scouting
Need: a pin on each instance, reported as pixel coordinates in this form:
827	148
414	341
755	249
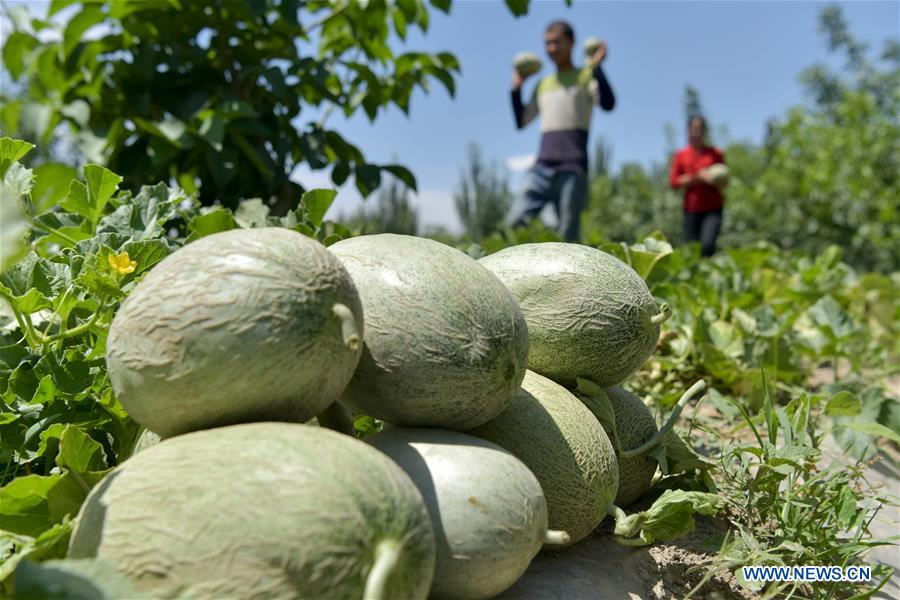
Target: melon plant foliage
61	429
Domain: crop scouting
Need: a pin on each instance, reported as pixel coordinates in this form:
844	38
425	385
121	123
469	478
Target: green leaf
828	314
51	183
78	452
216	220
873	429
31	504
13	225
89	16
442	5
252	213
843	404
403	174
671	516
101	184
368	178
517	7
50	544
17	47
78	200
81	579
212	129
11	151
316	203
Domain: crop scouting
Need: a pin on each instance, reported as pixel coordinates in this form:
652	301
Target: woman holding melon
700	170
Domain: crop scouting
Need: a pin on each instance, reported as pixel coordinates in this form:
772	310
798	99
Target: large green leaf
316	203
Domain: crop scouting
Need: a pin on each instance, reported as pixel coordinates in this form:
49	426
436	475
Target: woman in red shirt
703	200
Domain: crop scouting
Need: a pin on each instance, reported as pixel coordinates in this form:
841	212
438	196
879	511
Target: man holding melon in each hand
565	101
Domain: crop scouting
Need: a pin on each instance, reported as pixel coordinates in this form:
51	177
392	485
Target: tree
225	97
393	212
692	104
483	197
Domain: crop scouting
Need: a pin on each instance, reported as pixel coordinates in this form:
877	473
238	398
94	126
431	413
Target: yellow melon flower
122	263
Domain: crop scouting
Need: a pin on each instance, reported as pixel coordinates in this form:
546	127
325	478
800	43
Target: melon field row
794	353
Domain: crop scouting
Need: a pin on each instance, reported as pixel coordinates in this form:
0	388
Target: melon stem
555	537
665	429
348	325
665	311
387	555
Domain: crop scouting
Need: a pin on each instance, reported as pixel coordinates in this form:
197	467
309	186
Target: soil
600	568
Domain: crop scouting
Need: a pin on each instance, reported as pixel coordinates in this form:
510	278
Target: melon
261	510
564	445
716	174
243	325
446	344
634	426
145	440
527	63
591	45
487	509
589	314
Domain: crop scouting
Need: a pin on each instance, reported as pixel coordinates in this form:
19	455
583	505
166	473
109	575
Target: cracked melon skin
260	510
487	509
634	426
243	325
564	445
446	344
589	314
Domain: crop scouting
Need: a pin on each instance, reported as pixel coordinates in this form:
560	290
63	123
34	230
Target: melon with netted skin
635	425
446	344
487	509
261	510
564	445
242	325
527	63
589	314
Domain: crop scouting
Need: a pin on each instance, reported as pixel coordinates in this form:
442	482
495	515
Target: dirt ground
599	568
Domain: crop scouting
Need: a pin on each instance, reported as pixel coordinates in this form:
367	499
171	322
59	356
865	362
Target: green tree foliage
483	196
393	212
225	98
692	104
829	173
826	173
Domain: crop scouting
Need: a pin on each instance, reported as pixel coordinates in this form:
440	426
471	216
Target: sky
744	57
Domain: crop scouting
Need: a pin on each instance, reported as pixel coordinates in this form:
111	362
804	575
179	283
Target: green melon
261	510
145	440
487	509
560	440
527	63
589	314
635	425
446	344
243	325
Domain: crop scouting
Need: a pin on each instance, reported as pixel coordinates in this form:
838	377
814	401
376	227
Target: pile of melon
247	354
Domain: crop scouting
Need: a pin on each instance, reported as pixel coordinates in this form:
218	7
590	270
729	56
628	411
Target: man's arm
607	99
524	114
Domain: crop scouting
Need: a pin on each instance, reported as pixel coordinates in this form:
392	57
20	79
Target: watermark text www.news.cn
807	573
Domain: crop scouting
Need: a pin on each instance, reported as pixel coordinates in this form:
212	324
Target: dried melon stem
348	325
555	537
387	555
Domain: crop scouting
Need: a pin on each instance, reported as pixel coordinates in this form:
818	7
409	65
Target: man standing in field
565	101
